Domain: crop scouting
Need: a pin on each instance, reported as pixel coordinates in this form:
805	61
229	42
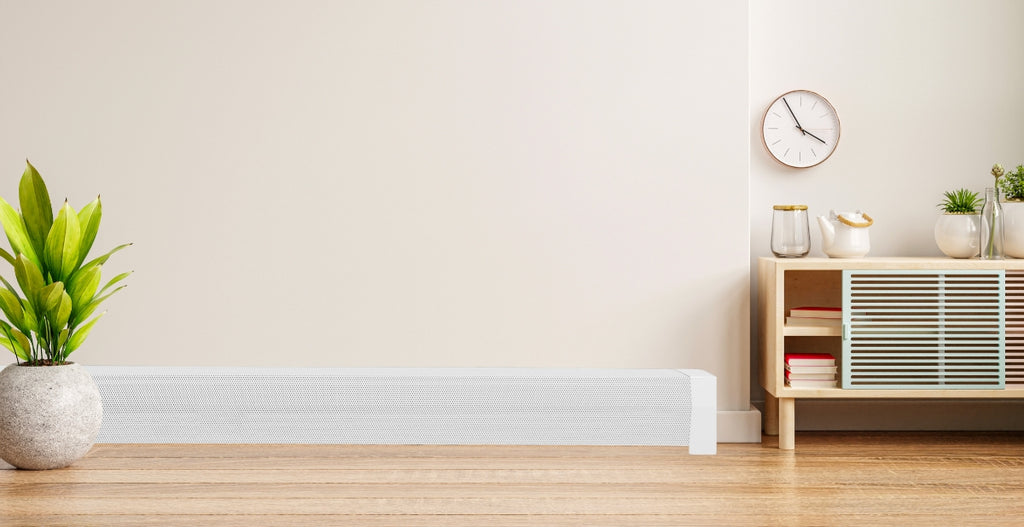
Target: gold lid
790	207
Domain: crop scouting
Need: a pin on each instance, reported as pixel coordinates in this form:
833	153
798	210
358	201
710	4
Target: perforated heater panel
407	406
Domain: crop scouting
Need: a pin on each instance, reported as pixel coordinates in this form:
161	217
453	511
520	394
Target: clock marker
776	142
786	153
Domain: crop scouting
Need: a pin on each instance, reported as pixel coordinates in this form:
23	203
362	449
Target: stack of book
811	370
815	316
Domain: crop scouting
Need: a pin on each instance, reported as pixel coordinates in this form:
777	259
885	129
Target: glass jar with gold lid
791	232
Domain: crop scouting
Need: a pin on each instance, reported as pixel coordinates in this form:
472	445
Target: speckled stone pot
49	415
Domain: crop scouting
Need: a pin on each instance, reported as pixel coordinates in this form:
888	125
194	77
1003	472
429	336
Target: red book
810	359
816	312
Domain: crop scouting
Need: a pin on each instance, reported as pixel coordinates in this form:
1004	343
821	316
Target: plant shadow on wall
50	408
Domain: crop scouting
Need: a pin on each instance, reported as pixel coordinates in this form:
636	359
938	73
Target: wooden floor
831	479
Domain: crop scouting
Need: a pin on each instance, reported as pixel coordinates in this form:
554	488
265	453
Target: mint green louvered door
910	329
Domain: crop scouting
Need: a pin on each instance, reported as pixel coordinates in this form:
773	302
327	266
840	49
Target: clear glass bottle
791	234
991	226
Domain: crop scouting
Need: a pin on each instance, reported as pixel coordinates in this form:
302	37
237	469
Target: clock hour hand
795	120
814	136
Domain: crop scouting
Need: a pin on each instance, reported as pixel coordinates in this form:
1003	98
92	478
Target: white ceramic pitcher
845	234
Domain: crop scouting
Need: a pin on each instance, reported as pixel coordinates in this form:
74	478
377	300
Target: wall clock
800	129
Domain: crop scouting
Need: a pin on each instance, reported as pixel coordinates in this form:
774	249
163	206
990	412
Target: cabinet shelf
794	330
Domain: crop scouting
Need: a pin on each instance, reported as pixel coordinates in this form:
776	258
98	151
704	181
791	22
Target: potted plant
50	408
1012	186
957	230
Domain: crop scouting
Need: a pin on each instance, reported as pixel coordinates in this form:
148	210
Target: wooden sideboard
936	336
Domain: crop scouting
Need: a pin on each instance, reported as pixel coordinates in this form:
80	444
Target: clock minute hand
795	120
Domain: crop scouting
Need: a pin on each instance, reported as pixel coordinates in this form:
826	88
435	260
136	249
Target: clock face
800	129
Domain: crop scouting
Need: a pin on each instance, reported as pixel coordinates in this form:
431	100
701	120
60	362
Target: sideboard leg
787	423
771	415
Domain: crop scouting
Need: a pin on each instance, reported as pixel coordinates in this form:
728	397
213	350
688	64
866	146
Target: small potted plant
957	230
1011	184
50	408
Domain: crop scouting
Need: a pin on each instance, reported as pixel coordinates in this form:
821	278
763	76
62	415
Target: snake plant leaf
61	252
17	233
89	219
79	335
29	277
10	304
35	206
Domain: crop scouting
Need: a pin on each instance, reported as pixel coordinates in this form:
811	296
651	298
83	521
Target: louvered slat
925	329
1014	328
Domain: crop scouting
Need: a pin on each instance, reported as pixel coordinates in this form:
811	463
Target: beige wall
400	183
929	96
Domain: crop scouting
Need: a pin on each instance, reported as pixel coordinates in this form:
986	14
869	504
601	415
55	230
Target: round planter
957	235
1013	228
49	415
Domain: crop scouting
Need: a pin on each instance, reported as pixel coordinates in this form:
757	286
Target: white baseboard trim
409	406
739	426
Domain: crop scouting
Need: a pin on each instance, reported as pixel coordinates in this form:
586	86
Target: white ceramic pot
958	235
49	415
1013	228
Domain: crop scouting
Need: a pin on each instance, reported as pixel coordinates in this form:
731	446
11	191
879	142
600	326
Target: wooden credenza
911	328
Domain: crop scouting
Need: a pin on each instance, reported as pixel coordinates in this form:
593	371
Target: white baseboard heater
443	406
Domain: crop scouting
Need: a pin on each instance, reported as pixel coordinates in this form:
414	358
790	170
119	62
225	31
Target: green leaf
31	320
50	297
82	287
35	207
6	342
115	280
79	335
61	253
62	312
91	307
9	286
10	304
103	259
21	341
29	278
89	218
17	234
63	338
7	256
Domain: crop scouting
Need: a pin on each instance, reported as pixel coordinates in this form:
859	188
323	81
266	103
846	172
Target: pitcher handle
867	223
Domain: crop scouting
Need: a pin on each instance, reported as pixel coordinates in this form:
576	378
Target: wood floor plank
831	479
